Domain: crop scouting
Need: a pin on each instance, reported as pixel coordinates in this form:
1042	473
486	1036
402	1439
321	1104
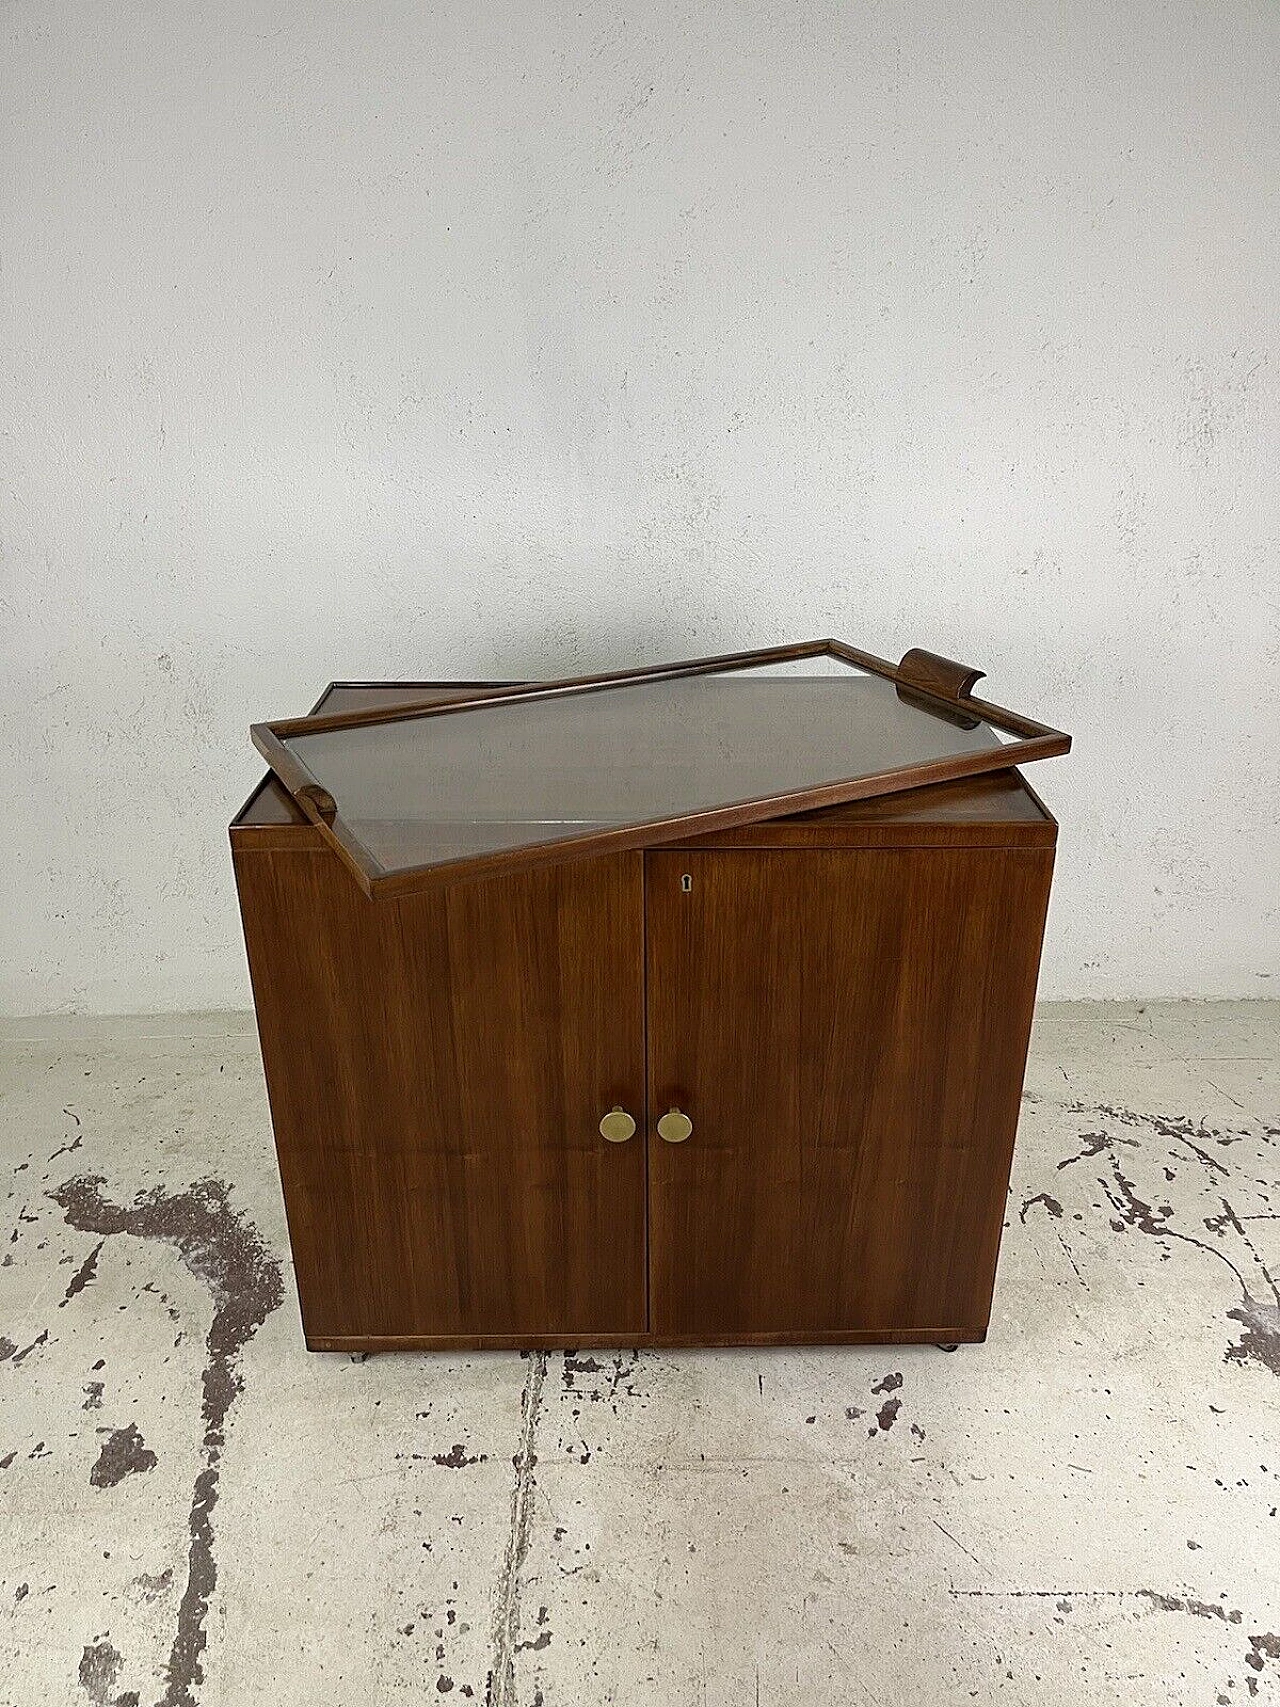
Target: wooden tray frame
935	683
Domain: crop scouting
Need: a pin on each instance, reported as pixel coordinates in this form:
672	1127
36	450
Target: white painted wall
391	338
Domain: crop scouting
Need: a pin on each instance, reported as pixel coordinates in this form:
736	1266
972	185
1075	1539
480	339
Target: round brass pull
617	1126
674	1126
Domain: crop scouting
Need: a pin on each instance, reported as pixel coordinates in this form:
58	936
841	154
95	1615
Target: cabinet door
847	1032
438	1068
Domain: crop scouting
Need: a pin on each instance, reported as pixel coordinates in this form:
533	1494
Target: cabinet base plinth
949	1336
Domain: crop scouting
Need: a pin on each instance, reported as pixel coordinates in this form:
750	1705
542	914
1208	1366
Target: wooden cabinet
838	1002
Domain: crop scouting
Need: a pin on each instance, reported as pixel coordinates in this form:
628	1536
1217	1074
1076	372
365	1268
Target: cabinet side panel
848	1033
437	1069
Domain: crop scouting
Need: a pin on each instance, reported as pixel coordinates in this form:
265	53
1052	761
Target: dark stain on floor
1197	1608
223	1250
886	1416
21	1356
575	1365
1195	1143
456	1458
542	1639
1052	1207
124	1453
83	1275
1263	1645
149	1586
605	1383
1094	1144
99	1668
1260	1341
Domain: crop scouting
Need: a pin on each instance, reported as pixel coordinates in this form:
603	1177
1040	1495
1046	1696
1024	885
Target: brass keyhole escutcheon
617	1126
674	1126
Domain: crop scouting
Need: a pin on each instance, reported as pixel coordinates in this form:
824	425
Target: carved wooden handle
933	674
317	803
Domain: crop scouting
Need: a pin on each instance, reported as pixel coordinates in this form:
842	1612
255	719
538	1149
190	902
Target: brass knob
674	1126
617	1126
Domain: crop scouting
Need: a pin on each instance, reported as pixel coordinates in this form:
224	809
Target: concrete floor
1084	1510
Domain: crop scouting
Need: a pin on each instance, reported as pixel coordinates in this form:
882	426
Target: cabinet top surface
411	790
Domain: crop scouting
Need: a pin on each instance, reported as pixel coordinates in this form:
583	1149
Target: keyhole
686	882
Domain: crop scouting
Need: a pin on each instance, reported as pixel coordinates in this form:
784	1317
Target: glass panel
425	790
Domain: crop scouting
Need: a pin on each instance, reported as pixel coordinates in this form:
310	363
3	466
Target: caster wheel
942	1347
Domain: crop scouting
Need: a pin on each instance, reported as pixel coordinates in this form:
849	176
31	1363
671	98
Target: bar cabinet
678	1007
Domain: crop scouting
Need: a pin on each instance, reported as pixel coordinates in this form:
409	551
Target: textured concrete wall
412	339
